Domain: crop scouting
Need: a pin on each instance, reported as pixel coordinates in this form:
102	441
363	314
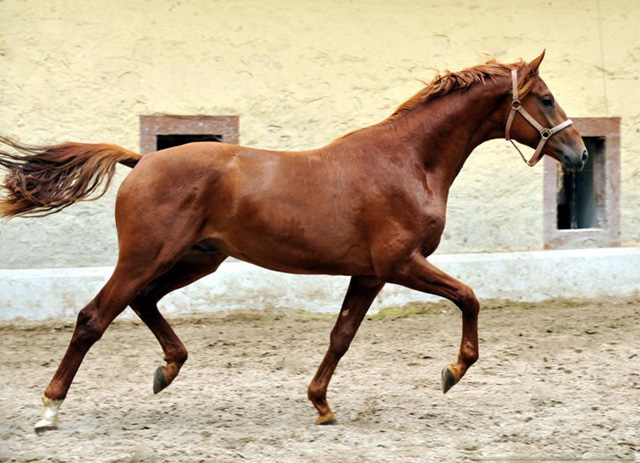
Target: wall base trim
520	276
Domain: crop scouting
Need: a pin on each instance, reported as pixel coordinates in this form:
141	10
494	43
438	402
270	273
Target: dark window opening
580	195
168	141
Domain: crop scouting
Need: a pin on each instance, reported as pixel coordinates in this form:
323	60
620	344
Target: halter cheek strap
545	133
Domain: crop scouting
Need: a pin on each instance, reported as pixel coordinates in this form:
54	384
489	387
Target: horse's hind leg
189	268
360	295
133	272
92	321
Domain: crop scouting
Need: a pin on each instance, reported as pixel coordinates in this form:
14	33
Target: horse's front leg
360	295
419	274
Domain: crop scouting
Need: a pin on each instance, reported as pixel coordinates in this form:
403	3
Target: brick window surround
226	127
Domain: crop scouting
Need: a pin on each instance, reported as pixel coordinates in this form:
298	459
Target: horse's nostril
585	155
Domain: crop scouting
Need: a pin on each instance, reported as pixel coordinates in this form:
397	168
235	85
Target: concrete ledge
520	276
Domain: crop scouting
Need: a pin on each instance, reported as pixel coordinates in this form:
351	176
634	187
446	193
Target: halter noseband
545	133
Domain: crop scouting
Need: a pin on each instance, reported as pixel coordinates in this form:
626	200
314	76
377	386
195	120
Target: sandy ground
555	382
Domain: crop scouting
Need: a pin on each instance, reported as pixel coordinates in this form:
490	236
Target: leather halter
545	133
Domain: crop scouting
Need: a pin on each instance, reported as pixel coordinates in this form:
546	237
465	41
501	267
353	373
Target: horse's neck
444	132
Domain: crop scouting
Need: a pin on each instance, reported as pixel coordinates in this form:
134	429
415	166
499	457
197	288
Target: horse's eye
547	100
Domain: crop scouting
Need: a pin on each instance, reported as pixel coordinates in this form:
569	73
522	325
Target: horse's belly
318	267
291	256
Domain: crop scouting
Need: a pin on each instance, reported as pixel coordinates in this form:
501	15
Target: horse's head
543	125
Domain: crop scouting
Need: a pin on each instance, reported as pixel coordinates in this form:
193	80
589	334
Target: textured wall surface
299	74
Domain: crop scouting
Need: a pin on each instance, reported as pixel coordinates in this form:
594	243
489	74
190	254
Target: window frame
609	235
153	125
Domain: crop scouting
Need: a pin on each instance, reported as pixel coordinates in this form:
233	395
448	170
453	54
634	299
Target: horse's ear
535	64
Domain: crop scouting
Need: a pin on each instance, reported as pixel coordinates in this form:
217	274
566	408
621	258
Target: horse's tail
43	180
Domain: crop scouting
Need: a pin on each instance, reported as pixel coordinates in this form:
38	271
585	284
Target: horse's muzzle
573	163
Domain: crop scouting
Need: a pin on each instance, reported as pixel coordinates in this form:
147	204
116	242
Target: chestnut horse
370	204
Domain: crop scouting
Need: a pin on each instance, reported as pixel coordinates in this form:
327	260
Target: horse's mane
449	82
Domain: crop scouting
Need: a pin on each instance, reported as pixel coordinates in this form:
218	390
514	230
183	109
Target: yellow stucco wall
299	74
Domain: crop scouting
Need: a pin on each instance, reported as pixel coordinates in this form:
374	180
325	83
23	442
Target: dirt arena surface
556	381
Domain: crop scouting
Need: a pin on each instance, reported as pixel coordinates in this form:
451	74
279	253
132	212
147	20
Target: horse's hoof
329	418
43	426
159	381
448	380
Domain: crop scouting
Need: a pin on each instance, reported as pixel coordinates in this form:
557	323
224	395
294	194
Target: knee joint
467	301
